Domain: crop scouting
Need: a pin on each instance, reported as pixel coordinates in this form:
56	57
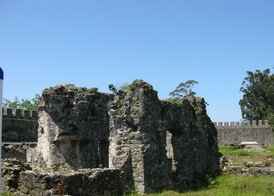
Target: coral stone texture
73	127
139	122
23	180
143	143
136	145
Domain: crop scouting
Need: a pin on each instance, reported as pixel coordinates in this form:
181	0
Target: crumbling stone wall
129	132
194	141
73	127
139	122
180	121
208	141
136	146
22	179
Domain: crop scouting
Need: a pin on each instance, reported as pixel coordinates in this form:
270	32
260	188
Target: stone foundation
23	181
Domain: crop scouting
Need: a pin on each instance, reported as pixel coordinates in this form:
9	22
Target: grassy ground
240	156
231	186
233	151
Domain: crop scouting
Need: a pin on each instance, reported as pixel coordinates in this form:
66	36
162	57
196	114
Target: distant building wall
233	133
19	125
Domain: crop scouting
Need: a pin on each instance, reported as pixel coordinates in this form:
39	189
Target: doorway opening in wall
170	151
103	153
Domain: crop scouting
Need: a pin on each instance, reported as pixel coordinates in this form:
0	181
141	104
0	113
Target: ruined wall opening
170	151
103	153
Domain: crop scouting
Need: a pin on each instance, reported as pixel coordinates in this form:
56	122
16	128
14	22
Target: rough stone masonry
139	122
73	128
81	129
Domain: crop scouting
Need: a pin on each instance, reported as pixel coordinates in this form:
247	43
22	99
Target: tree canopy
27	104
257	102
184	89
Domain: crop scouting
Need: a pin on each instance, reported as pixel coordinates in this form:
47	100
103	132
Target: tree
27	104
184	89
257	102
115	90
112	88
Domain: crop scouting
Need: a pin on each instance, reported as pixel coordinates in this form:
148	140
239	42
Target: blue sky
95	43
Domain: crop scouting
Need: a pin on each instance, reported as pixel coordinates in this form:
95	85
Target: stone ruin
73	128
139	142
